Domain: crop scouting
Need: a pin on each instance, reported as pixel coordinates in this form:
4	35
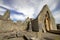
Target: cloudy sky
21	9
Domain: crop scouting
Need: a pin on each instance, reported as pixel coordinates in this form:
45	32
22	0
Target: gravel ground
50	36
45	36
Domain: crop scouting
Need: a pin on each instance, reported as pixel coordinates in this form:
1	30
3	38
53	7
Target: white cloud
30	7
1	2
27	11
57	16
27	4
2	11
52	4
17	17
4	5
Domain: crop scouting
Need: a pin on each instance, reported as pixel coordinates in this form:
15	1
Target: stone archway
47	22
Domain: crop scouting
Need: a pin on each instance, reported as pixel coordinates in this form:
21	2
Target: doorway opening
47	22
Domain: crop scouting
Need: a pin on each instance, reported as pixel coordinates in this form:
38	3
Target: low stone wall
9	25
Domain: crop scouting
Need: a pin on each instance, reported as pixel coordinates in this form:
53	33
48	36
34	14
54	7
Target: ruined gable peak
6	15
44	8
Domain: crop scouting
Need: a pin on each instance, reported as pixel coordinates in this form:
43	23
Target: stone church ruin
30	28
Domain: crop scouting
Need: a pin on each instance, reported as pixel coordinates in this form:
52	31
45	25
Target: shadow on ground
46	38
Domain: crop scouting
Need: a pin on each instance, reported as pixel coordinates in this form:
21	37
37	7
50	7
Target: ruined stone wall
22	25
10	25
7	25
41	18
34	25
6	15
